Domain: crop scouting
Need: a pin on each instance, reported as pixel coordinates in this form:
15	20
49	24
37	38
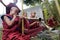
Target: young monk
33	21
33	15
24	14
11	28
33	29
52	22
33	26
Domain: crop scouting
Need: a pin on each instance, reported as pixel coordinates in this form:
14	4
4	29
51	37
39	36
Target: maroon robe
51	22
33	30
13	32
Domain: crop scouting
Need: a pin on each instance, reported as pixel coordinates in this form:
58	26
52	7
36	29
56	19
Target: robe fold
34	29
12	32
52	23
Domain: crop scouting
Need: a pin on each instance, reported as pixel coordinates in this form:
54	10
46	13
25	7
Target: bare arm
8	21
32	23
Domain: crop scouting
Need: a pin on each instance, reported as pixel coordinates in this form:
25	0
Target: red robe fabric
33	30
13	32
51	22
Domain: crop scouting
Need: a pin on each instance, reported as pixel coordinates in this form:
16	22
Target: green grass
58	28
0	35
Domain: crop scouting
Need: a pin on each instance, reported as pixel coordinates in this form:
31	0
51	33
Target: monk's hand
26	31
22	17
37	22
14	16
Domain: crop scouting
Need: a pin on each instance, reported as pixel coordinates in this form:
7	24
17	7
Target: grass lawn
0	35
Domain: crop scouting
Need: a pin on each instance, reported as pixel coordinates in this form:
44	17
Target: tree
32	2
59	2
46	9
54	10
49	8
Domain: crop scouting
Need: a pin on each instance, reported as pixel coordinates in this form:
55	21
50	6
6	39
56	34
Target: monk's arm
8	21
32	23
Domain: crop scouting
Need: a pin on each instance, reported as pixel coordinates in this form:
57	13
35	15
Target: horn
49	28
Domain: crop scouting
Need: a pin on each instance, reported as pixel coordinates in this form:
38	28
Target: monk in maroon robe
33	27
52	22
11	27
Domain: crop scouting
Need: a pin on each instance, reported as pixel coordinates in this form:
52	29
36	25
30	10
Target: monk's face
14	11
33	14
25	14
